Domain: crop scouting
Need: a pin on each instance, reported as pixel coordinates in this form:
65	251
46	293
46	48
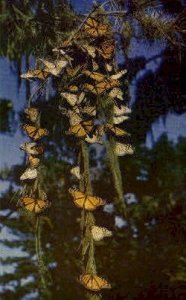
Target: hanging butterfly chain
93	44
33	199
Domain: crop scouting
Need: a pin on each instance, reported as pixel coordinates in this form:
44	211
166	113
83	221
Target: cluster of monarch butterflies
89	59
34	152
87	63
92	77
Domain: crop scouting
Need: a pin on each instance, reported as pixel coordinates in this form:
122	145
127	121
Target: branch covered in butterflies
34	199
85	71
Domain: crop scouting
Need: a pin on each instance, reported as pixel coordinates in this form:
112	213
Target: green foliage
6	115
150	21
32	27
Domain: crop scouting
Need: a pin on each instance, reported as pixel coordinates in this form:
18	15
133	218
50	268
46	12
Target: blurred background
145	259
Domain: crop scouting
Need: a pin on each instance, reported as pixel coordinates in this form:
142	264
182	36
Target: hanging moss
116	174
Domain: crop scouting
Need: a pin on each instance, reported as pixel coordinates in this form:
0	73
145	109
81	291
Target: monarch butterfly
119	119
95	139
62	52
118	75
74	118
89	110
62	45
36	74
94	28
82	129
116	130
76	172
99	233
29	174
96	89
89	49
107	49
118	111
73	88
101	87
95	66
34	205
33	161
84	201
100	77
94	282
34	132
73	99
54	68
59	50
116	93
73	71
32	148
123	149
32	113
95	75
108	67
112	83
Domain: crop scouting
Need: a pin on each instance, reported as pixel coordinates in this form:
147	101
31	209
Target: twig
113	13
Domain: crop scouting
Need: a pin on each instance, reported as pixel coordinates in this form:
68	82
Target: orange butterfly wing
107	49
94	282
34	205
116	130
84	201
33	161
95	28
34	132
